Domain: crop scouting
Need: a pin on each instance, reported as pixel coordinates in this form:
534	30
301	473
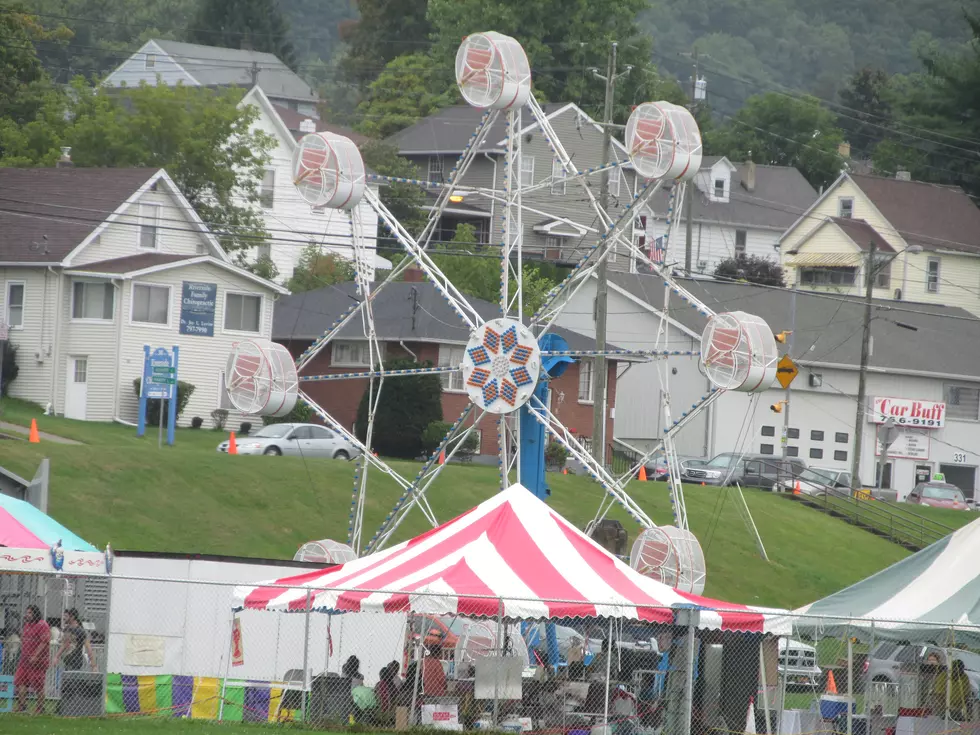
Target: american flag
658	250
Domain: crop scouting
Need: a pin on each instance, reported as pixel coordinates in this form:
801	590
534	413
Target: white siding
35	340
712	243
176	233
133	71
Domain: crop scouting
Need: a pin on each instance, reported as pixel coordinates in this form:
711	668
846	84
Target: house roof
448	131
132	263
862	234
307	315
831	324
930	215
292	119
46	212
213	66
781	195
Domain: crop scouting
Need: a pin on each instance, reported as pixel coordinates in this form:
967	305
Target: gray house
435	143
194	65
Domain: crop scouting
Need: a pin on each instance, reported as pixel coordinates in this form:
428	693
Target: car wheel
274	451
341	454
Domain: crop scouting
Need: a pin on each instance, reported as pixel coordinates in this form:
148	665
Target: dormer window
719	188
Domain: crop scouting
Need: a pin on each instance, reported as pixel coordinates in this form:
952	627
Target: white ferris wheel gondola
738	352
492	71
328	171
664	141
261	378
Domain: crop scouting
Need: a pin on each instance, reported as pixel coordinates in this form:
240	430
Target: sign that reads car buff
910	412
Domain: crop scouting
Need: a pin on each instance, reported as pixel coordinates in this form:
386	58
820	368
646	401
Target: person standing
75	644
32	668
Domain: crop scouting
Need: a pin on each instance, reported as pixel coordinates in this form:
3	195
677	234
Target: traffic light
781	336
777	407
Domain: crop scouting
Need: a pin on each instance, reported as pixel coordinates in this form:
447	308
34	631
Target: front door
76	388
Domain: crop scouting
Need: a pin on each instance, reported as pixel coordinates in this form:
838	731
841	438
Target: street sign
160	360
786	371
163	370
157	380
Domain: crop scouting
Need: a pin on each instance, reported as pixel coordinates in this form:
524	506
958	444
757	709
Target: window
552	245
436	169
80	374
585	381
792	433
91	300
15	305
149	231
816	453
769	431
242	312
267	190
557	178
823	276
451	356
149	61
845	207
766	449
355	354
840	455
816	436
527	171
932	276
962	402
615	180
883	273
720	188
792	451
319	432
841	437
740	238
263	252
151	304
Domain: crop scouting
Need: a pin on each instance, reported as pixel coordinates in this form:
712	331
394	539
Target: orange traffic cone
703	485
643	474
33	437
831	684
232	445
442	456
798	491
564	470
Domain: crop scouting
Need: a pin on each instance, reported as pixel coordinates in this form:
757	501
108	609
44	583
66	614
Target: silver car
298	440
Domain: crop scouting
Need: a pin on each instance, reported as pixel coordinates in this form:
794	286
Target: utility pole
859	417
599	408
689	199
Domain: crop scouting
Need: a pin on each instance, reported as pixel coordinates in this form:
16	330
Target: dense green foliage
751	269
408	405
317	269
244	24
184	392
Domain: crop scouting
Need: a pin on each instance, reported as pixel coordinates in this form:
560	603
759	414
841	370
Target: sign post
159	383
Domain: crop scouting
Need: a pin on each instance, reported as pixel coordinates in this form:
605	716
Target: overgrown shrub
245	428
184	392
218	418
10	368
301	414
432	436
555	455
197	422
408	405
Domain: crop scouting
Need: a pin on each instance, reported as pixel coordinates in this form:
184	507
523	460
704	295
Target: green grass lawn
23	725
189	498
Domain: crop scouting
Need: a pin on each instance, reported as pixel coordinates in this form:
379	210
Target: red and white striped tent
511	548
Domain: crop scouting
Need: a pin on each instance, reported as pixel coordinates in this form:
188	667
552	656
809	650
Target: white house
94	264
737	209
911	361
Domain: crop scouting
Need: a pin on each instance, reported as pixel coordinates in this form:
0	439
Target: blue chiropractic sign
197	303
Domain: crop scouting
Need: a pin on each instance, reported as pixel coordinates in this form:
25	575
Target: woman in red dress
35	651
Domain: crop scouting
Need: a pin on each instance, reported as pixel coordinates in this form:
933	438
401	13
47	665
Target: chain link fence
161	648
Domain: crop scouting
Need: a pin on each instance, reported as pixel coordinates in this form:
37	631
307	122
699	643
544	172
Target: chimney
307	126
903	175
65	160
844	150
749	181
413	274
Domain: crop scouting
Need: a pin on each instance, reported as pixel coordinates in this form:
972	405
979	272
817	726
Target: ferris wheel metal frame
610	235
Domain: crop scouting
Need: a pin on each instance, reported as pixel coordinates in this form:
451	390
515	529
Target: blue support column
172	407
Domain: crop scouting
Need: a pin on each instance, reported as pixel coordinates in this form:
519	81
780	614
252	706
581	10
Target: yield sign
786	371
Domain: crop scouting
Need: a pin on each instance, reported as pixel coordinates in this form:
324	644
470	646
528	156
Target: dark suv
751	470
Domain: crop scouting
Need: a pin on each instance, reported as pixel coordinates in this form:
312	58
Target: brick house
414	321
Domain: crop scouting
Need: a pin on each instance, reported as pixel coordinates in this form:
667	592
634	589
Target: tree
244	24
407	405
866	112
24	85
402	94
782	130
751	269
405	201
317	269
386	29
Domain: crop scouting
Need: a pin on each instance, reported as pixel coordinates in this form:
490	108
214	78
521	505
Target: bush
432	436
245	428
301	414
218	418
197	422
555	455
409	404
184	392
10	368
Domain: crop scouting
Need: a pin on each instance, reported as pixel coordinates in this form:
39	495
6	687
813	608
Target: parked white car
298	440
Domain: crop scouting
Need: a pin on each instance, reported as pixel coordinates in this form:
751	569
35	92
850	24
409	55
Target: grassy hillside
189	498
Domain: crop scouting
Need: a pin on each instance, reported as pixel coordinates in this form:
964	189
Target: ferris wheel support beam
599	473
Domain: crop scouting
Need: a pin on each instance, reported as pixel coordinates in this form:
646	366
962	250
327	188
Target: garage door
965	478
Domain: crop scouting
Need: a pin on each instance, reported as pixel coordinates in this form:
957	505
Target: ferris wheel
509	360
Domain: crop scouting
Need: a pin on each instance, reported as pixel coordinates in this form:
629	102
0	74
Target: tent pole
850	684
609	654
782	686
500	644
418	671
306	656
765	682
867	684
949	681
689	645
224	680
